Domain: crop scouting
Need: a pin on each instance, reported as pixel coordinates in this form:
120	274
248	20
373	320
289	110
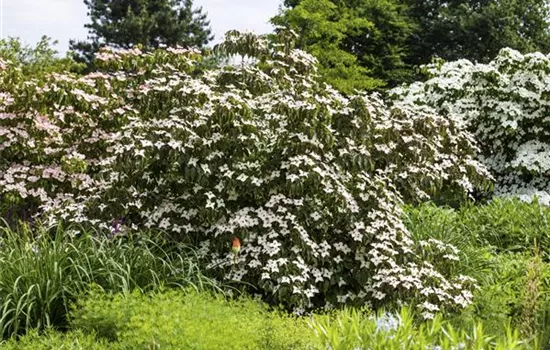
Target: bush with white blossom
506	104
309	181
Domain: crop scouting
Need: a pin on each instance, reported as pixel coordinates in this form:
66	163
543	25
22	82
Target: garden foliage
352	329
190	320
310	181
505	103
149	23
38	60
504	245
360	44
41	275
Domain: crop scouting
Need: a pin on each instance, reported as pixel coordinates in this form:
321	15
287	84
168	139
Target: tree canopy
36	60
476	29
368	44
149	23
361	44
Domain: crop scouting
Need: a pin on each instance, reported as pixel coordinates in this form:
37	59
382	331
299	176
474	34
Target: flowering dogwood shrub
308	180
52	137
506	104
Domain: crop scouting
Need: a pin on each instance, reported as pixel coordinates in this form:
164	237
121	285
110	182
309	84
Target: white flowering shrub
506	105
309	181
53	133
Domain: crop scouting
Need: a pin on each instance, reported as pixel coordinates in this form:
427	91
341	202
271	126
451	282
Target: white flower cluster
309	181
506	104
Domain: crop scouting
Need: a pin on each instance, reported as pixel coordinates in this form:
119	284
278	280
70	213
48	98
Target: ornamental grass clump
43	272
309	181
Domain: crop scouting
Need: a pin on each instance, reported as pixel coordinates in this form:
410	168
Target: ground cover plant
50	339
191	320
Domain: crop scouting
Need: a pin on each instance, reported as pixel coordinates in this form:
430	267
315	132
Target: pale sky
64	19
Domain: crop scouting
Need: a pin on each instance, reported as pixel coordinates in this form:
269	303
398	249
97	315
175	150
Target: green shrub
509	225
190	320
308	179
37	61
502	297
41	275
51	340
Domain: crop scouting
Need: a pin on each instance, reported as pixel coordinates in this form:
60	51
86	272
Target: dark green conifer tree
149	23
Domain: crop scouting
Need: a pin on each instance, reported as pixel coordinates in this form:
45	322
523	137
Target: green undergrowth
187	319
505	245
501	226
87	292
43	272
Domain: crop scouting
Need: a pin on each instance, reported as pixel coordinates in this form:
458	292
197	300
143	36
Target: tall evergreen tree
150	23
